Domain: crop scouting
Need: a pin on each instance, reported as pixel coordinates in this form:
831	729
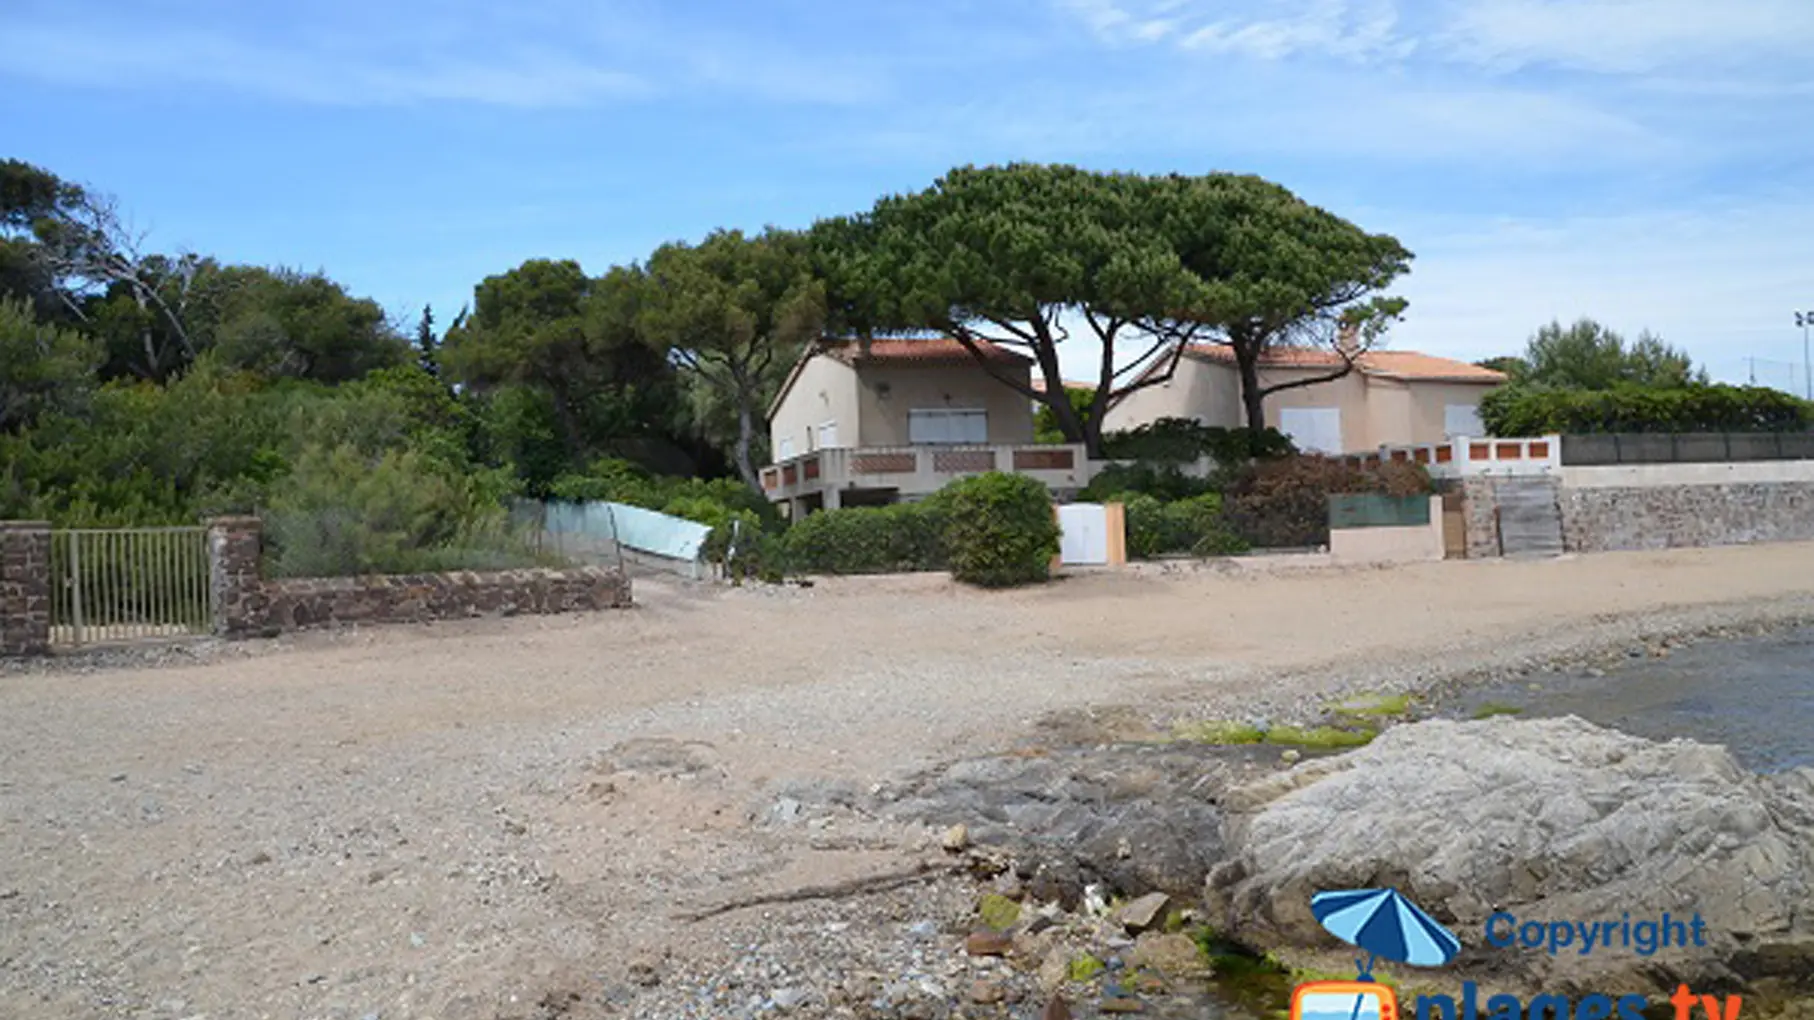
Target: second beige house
1390	398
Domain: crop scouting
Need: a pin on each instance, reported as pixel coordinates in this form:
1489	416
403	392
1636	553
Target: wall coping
446	578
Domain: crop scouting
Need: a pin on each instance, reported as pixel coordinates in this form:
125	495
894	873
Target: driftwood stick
888	881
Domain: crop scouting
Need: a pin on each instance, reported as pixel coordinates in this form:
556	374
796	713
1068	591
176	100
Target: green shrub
1165	482
340	512
867	540
620	481
1184	440
1535	411
1195	525
1001	530
1285	503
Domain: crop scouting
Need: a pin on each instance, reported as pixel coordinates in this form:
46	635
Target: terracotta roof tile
1391	364
913	349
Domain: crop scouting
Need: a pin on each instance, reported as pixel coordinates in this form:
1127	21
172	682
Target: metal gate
1083	534
128	584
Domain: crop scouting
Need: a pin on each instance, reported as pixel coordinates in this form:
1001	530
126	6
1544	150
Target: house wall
1429	402
1349	394
889	391
1375	410
1206	391
825	390
1391	410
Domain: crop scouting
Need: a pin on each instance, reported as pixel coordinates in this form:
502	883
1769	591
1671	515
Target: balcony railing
915	470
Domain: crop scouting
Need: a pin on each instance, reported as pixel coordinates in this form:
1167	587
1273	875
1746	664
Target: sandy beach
458	820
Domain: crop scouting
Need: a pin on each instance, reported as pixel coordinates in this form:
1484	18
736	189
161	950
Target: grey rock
1146	912
789	998
1134	820
1549	819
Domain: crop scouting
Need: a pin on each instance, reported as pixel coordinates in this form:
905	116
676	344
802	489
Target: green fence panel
1372	510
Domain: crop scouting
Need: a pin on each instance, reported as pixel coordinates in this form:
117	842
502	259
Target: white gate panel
1084	534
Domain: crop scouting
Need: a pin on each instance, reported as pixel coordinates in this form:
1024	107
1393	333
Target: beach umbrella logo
1387	926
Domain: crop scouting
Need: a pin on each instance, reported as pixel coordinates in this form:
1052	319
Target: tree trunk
746	434
1092	437
1247	362
570	430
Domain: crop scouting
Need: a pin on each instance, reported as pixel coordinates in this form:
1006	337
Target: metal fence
1373	510
641	542
1685	448
125	584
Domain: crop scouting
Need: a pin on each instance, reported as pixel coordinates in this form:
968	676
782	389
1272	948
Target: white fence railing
1466	456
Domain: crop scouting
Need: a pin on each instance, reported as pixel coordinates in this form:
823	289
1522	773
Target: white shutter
1461	420
1313	429
925	427
972	426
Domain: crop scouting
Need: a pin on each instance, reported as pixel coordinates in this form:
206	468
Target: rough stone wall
1479	515
24	587
412	598
245	604
1675	516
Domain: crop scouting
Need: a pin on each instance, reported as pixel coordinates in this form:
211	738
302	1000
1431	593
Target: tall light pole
1806	320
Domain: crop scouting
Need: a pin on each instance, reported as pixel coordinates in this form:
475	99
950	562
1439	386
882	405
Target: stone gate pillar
235	552
24	587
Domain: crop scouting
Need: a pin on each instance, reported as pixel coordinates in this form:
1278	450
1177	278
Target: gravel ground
514	818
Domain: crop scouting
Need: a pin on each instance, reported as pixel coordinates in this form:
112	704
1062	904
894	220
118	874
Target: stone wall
314	602
246	604
1480	517
24	587
1603	518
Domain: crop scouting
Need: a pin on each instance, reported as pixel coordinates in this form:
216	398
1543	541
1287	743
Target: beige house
1390	398
866	423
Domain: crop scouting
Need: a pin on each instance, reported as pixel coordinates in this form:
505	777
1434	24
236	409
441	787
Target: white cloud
1630	36
1338	28
1270	30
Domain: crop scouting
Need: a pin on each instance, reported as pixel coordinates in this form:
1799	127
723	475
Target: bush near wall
1000	530
1195	525
1532	411
867	540
1285	503
1163	482
1184	440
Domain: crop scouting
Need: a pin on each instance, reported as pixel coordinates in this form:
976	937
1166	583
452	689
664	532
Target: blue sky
1647	162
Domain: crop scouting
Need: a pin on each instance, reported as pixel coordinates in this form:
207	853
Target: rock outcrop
1551	820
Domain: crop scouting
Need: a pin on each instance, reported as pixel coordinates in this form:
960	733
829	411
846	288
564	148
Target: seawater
1755	696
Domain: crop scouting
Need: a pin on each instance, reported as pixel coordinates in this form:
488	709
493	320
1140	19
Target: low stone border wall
246	604
1682	516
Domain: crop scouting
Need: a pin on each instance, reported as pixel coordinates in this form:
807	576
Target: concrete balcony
887	474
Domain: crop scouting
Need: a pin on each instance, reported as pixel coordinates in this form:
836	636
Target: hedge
1000	530
868	540
1184	440
1285	503
1533	411
1193	525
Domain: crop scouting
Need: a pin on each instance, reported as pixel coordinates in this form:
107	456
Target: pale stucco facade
869	404
1369	409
